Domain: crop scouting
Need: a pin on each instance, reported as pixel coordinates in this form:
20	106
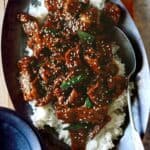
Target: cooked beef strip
72	66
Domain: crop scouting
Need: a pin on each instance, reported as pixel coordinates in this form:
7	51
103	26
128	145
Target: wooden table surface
142	20
4	96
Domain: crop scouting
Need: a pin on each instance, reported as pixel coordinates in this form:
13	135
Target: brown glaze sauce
72	65
130	6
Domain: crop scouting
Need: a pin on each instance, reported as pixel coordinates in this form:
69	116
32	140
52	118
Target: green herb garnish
77	79
88	103
78	126
86	37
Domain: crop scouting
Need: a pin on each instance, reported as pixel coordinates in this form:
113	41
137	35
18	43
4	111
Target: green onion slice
74	80
86	37
88	103
78	126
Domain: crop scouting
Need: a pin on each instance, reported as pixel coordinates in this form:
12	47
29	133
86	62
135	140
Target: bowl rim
12	118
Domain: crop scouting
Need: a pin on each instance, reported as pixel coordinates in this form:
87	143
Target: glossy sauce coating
73	65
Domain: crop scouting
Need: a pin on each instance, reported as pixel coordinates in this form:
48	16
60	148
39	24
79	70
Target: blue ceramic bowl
15	133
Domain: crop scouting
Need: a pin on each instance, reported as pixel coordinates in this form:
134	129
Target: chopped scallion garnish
88	103
78	126
86	37
74	80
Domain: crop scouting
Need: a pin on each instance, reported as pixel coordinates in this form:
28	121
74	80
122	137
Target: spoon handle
138	145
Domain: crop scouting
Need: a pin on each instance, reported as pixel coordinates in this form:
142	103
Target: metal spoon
128	57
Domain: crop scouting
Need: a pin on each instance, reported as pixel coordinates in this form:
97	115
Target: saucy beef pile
72	66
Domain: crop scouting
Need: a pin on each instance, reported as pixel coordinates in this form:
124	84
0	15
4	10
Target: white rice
104	140
46	115
40	11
